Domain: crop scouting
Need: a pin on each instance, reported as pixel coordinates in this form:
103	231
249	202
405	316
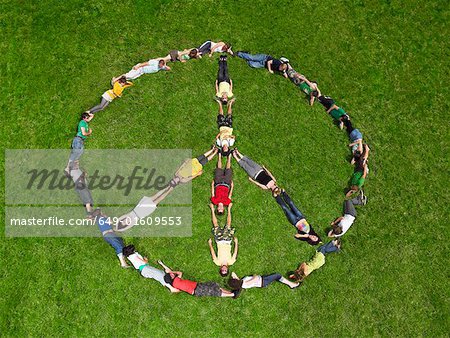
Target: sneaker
341	125
236	293
364	200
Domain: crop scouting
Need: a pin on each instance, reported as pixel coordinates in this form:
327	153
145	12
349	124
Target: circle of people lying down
222	184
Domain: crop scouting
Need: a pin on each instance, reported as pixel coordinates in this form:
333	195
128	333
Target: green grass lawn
385	62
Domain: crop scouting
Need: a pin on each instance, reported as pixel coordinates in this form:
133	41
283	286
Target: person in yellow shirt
316	262
119	84
192	168
223	238
224	85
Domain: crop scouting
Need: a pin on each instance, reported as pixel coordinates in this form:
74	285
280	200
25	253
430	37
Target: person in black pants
224	85
305	232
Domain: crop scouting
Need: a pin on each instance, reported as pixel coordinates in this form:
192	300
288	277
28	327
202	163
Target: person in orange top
119	84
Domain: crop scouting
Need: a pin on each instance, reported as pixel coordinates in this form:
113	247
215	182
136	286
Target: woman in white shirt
341	224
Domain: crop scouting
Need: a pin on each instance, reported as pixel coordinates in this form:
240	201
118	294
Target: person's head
161	63
283	67
122	79
220	208
337	230
357	154
86	116
224	98
224	270
193	53
128	250
226	46
235	283
298	275
169	277
225	148
313	239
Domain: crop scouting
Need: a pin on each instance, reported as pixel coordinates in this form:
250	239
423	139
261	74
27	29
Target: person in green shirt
83	131
316	262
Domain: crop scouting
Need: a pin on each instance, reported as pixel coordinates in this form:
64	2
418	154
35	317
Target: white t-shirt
251	282
137	260
345	223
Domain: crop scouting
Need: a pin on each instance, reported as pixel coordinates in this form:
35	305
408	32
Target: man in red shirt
211	289
222	185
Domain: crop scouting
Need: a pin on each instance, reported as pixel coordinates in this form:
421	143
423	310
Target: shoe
364	200
341	125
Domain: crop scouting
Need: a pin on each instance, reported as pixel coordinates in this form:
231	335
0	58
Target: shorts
223	176
355	135
192	168
251	167
224	121
263	178
107	96
154	273
208	289
357	179
202	159
173	55
223	234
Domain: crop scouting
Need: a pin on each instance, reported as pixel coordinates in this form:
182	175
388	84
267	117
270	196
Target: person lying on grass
222	185
225	138
209	47
148	67
83	131
257	281
223	238
182	56
224	85
359	174
116	242
264	61
147	271
145	207
305	232
336	112
316	262
192	168
257	174
341	224
306	86
118	86
211	289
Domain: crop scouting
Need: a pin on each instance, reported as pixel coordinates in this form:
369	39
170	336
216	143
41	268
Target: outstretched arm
213	216
231	85
212	188
231	190
269	66
236	247
229	215
211	250
217	86
337	220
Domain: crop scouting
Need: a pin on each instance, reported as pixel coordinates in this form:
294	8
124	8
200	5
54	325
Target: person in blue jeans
83	131
116	242
305	232
264	61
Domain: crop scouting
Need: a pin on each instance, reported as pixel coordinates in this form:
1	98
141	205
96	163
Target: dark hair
168	278
235	284
337	230
193	53
85	116
227	45
161	60
122	79
298	275
128	250
220	212
224	274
